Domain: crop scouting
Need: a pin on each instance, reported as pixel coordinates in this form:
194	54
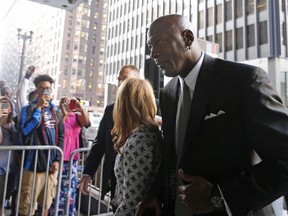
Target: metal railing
100	207
24	149
94	188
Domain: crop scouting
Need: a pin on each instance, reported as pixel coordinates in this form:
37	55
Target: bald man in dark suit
234	116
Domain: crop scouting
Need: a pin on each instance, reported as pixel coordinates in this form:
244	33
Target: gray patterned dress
135	169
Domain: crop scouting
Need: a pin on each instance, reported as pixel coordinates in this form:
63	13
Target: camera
72	104
71	1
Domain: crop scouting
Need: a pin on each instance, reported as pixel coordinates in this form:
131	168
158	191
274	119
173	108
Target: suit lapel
168	103
169	100
204	86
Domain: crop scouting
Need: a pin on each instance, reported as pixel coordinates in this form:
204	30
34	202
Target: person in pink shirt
74	117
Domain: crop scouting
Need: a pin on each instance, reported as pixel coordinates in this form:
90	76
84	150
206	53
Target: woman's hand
54	168
84	185
149	204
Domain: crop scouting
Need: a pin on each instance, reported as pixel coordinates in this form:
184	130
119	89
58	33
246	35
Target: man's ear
188	37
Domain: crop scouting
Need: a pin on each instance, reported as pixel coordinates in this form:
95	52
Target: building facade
126	40
250	31
69	46
75	50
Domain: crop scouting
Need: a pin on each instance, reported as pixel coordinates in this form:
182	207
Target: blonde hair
134	107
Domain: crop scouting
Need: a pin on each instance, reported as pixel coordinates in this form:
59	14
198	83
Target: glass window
219	14
82	59
68	45
210	17
228	37
201	19
66	70
84	23
64	84
262	33
239	38
69	32
261	5
249	7
91	73
83	48
66	57
283	5
228	10
219	41
250	35
92	62
90	85
239	8
75	58
79	73
209	38
283	33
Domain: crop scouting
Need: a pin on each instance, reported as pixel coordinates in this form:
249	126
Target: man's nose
154	53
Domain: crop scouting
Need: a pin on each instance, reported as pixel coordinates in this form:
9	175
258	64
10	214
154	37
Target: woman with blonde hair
137	140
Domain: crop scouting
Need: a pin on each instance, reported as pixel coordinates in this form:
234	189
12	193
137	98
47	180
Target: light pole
24	37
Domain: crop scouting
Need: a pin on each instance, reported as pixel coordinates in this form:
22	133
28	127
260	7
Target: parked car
95	119
91	132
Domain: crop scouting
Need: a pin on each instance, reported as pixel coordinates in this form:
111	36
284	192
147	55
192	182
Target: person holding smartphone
7	138
41	124
74	117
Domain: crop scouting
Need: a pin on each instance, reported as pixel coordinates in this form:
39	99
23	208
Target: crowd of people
220	147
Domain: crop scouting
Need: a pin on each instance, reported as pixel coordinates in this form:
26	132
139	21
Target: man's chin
168	73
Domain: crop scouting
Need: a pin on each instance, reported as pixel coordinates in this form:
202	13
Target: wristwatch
216	199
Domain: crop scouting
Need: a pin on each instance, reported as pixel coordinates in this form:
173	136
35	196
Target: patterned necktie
183	112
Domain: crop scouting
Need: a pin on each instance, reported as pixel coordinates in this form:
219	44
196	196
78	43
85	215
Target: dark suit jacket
103	145
220	149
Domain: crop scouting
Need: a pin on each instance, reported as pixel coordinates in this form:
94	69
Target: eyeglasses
42	89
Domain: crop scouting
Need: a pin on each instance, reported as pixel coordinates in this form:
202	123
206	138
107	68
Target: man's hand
54	168
43	101
196	194
30	71
84	184
150	204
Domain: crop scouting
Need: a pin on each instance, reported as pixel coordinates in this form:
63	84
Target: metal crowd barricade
13	149
103	206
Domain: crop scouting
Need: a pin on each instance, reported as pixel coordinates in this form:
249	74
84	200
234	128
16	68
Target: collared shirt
191	78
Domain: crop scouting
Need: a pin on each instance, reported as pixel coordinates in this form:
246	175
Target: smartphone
4	105
72	104
47	95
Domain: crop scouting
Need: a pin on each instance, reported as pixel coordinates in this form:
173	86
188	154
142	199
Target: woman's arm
82	115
